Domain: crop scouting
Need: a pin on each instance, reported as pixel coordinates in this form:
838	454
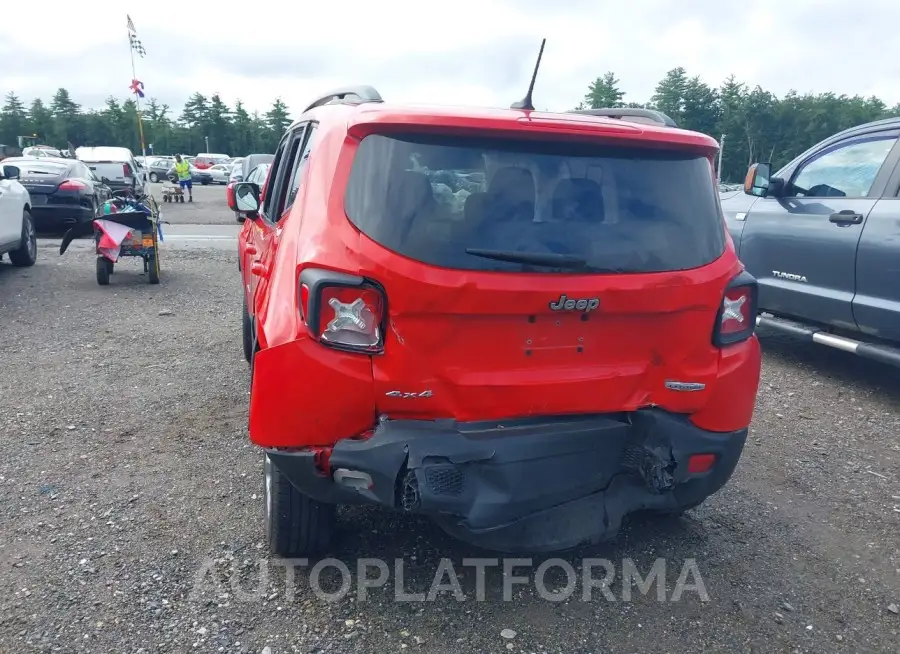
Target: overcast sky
457	52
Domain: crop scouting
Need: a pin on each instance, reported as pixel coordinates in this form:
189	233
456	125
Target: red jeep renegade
524	325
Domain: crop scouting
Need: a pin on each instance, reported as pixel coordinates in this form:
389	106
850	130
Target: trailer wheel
153	268
102	271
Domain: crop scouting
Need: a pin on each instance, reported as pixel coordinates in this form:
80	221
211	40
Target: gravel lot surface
126	476
208	208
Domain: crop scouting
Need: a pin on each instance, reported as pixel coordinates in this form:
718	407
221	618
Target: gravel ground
131	517
208	208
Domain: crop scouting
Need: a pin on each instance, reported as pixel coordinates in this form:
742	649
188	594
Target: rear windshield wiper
533	258
545	259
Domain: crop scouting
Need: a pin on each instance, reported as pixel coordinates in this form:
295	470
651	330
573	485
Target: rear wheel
26	254
296	525
103	266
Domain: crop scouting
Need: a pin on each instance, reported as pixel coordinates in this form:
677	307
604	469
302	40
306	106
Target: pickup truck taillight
736	319
343	311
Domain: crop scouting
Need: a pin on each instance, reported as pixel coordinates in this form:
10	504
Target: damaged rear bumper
532	485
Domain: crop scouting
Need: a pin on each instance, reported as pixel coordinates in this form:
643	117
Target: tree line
231	130
756	124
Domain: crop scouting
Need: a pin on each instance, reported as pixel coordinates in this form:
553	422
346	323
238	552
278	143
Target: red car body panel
484	344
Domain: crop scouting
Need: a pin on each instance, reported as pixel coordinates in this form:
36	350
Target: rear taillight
736	319
72	185
343	311
126	170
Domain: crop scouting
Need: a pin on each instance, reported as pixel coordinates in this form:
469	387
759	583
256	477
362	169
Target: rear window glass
432	198
42	168
110	170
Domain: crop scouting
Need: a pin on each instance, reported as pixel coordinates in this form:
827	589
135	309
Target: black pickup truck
822	237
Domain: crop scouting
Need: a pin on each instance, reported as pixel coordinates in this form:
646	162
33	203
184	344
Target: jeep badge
568	304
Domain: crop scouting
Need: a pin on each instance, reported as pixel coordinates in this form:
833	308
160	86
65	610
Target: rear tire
296	525
103	271
26	254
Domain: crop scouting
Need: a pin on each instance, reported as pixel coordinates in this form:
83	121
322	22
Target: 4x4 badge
568	304
406	395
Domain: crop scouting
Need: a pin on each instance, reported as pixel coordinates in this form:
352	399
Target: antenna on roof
526	102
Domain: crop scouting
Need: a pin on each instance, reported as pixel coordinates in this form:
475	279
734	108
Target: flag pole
137	97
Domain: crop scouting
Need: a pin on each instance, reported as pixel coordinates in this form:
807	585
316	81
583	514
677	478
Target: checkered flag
136	45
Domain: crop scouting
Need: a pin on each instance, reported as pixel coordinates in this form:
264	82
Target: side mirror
244	199
758	179
10	172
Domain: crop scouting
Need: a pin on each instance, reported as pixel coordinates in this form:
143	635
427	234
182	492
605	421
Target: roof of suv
366	112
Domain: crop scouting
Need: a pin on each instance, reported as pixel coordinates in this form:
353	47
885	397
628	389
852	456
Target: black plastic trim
625	113
362	93
476	480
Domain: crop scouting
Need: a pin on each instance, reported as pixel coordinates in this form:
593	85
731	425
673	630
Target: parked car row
45	193
43	189
158	169
198	176
63	192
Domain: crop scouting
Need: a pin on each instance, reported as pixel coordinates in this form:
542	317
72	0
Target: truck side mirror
757	181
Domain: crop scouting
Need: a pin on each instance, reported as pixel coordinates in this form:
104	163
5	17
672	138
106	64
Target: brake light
736	320
72	185
126	170
343	312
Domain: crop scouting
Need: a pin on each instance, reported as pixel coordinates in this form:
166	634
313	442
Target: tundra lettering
567	304
790	276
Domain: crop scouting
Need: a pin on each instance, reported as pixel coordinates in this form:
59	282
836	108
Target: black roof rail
347	95
626	113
